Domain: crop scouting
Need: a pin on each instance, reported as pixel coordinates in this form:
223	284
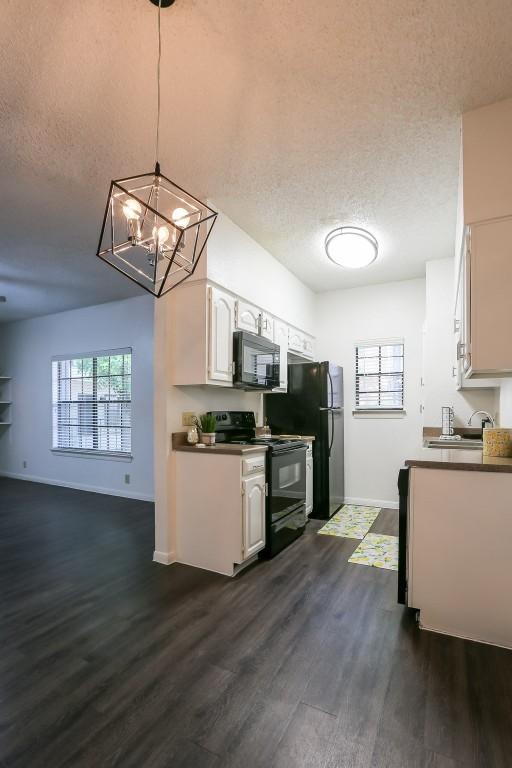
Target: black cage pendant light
153	231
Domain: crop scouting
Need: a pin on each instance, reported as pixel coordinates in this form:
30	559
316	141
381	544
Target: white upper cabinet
221	327
301	344
485	279
490	262
281	338
309	351
267	326
295	341
247	317
253	512
200	322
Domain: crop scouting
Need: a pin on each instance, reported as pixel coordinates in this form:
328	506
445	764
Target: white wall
26	350
439	353
376	447
237	262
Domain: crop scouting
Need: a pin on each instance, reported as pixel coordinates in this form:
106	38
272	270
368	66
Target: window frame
92	453
385	410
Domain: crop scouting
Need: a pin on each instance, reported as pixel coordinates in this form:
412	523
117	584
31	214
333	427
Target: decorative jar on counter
192	436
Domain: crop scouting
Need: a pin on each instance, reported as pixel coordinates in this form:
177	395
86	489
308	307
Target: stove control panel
227	420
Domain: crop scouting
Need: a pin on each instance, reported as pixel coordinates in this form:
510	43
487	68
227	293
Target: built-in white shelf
5	404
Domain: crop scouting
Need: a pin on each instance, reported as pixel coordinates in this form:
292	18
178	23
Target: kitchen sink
467	443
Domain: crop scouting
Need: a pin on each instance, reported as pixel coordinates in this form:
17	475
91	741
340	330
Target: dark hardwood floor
110	660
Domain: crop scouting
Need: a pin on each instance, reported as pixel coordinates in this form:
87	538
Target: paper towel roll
497	442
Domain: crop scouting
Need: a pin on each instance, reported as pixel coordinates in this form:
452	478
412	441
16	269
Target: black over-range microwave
256	361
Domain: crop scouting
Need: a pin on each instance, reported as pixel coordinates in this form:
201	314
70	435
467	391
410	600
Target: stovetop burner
273	443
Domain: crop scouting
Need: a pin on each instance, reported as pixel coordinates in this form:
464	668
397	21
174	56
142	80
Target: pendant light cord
158	84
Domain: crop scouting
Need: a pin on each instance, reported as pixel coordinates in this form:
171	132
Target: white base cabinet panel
458	560
309	478
253	513
219	509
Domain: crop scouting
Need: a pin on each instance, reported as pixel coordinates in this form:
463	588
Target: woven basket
497	442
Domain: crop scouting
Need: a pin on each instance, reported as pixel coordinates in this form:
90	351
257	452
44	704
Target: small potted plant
206	424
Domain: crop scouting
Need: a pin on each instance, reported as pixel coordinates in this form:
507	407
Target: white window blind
380	376
91	402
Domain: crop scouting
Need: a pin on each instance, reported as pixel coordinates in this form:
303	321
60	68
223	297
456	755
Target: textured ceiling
292	116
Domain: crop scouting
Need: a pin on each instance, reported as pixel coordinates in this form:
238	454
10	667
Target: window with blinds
380	376
92	402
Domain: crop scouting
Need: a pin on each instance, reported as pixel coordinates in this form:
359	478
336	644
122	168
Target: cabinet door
309	485
308	348
267	326
296	341
247	317
490	292
253	512
222	323
281	338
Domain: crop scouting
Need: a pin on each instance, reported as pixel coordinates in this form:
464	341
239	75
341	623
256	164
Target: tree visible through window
380	376
91	402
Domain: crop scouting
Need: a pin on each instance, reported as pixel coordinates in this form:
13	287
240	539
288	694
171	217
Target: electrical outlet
24	465
127	479
188	418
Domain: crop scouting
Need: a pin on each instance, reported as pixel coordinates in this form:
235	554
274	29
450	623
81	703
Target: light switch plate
188	418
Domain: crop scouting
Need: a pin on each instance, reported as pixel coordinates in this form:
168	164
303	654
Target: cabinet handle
461	350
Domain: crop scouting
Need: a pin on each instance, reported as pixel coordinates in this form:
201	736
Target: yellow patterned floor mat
377	550
352	522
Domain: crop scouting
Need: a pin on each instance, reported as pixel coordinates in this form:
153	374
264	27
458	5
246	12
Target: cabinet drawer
253	465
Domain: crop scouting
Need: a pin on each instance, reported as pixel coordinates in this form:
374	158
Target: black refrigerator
313	406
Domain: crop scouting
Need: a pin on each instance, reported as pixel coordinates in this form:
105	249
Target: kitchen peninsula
455	534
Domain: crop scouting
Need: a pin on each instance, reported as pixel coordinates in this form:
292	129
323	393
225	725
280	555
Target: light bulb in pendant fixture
181	217
160	236
132	212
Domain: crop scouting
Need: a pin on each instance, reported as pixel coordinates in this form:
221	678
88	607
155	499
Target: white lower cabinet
219	508
253	506
309	479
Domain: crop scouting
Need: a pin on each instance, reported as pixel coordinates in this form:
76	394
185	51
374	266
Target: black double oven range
285	477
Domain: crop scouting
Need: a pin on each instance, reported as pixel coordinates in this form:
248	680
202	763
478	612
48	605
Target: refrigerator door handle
332	431
331	388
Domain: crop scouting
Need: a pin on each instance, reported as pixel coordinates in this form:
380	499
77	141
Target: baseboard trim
371	502
79	486
164	558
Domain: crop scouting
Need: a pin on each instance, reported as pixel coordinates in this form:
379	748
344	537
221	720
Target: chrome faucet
488	418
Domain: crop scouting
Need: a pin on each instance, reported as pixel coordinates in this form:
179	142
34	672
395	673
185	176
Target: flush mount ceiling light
351	247
153	231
